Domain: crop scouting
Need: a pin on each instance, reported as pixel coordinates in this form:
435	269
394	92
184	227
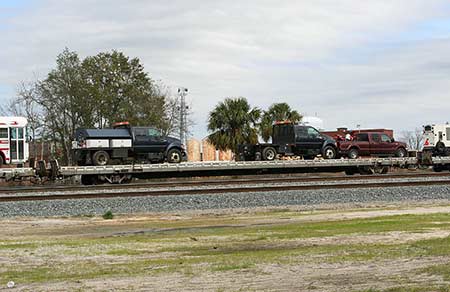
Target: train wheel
353	153
174	156
100	158
350	171
401	152
89	179
438	168
329	152
269	153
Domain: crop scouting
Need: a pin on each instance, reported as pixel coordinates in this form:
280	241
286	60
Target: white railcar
13	140
437	139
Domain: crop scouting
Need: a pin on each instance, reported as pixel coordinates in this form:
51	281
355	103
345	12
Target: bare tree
172	106
27	95
12	108
414	139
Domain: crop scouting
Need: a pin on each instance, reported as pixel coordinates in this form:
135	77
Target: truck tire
269	153
440	148
401	152
100	158
329	152
353	153
1	161
174	156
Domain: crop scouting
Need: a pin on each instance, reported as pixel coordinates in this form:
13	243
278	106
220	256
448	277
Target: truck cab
372	144
437	139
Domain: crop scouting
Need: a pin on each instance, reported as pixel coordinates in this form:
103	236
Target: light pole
182	92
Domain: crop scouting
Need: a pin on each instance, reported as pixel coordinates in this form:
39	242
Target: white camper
437	139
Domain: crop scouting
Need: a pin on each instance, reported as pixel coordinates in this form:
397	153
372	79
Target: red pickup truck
371	144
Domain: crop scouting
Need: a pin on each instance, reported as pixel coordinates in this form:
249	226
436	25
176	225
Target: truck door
309	140
148	140
158	143
386	145
362	140
141	140
375	144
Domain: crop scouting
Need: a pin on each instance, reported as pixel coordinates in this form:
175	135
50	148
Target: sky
378	64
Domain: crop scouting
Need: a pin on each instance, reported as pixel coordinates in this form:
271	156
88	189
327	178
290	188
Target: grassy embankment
95	248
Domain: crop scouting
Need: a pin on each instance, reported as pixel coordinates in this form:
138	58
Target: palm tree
276	112
233	122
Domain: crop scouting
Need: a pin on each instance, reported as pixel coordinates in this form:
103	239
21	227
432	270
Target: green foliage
233	122
96	92
276	112
122	90
108	215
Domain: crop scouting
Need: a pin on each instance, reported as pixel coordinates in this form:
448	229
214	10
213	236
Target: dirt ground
306	272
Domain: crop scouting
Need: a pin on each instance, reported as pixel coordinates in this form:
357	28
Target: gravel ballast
130	205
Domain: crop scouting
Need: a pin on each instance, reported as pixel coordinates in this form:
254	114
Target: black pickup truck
125	144
290	139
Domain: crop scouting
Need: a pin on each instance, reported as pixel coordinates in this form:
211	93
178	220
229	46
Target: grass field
285	250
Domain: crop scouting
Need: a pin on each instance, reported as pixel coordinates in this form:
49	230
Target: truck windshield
385	138
313	132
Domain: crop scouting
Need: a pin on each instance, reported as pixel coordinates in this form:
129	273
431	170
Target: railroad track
227	181
223	190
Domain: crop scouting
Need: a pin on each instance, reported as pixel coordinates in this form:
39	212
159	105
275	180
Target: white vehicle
437	139
13	140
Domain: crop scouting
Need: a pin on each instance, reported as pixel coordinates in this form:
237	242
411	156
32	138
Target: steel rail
227	181
197	182
203	191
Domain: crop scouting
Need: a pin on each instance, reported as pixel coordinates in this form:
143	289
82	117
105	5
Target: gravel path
223	201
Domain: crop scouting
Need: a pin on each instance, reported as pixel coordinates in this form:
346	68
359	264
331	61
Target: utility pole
182	92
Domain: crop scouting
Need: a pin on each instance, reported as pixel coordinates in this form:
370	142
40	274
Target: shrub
108	215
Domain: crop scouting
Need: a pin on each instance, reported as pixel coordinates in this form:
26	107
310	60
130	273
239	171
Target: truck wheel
440	148
401	152
100	158
174	156
269	153
1	161
353	153
329	152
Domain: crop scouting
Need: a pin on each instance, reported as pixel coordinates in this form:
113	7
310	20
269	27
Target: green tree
64	102
94	93
276	112
233	122
122	90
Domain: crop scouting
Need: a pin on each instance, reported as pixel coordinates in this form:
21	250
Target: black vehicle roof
103	133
